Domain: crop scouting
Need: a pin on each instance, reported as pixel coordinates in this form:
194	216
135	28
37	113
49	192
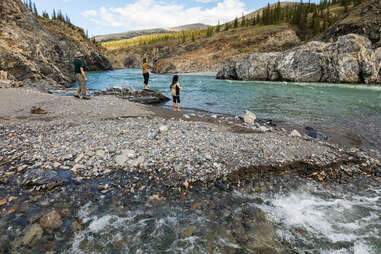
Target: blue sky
113	16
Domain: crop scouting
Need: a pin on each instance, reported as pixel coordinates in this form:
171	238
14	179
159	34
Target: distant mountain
136	33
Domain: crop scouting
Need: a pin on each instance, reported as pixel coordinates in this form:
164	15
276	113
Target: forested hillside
275	27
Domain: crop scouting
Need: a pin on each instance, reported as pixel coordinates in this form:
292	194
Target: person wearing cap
80	76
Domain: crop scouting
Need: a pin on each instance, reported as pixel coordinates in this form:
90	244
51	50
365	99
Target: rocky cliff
351	59
34	49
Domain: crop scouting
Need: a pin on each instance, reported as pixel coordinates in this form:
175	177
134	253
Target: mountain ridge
136	33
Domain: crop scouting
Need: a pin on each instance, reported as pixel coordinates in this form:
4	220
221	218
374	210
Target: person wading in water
146	66
80	76
175	91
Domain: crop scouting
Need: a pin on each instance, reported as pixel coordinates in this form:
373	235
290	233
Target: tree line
305	16
56	15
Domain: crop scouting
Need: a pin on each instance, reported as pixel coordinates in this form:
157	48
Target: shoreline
115	154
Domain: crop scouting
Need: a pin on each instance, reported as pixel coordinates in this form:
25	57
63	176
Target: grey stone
137	162
295	133
163	128
126	154
249	117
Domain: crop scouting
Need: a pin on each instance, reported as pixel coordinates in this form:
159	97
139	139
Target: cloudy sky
113	16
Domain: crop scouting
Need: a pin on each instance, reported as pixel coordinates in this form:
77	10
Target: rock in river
51	220
44	179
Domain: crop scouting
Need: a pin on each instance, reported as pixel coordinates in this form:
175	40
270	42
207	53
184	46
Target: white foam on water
345	218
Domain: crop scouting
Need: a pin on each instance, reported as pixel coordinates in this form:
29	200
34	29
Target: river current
307	218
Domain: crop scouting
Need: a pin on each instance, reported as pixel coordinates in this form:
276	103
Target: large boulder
351	59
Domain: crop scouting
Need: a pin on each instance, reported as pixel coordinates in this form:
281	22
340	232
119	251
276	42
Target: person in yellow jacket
175	91
146	66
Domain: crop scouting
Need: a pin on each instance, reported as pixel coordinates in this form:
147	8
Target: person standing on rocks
175	91
80	76
146	66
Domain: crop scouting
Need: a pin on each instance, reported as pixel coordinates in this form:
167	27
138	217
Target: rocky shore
351	59
108	150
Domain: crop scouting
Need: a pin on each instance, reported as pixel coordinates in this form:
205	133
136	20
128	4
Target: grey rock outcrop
351	59
143	96
34	48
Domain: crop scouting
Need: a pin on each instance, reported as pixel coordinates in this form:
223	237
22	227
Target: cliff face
351	59
34	49
364	20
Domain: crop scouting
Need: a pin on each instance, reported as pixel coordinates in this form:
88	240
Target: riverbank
117	153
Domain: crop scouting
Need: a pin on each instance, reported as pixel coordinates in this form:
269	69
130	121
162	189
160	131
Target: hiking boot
86	97
76	95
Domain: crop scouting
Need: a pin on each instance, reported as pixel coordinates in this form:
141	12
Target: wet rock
315	134
144	96
51	220
251	228
32	233
249	117
188	232
76	226
43	179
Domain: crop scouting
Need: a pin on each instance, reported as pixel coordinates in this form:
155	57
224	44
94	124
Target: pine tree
227	26
236	22
218	27
316	22
54	15
243	20
35	11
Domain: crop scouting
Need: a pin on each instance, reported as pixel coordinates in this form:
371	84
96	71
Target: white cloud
143	14
89	13
206	1
66	1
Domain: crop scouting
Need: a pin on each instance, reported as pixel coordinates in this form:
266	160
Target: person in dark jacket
175	91
146	66
80	76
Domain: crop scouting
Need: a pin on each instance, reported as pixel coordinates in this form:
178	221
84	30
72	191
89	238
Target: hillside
33	48
136	33
364	19
277	27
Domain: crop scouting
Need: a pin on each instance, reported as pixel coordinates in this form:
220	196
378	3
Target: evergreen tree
243	20
54	15
227	26
35	11
236	22
218	27
316	23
